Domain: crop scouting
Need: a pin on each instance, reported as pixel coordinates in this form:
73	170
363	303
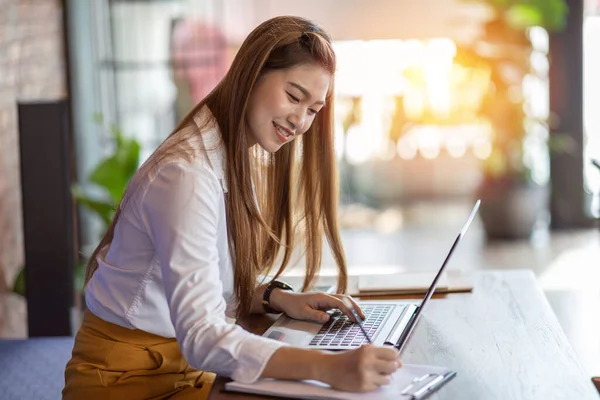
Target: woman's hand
311	306
360	370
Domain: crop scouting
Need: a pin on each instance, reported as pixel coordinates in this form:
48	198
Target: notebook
412	283
409	382
404	283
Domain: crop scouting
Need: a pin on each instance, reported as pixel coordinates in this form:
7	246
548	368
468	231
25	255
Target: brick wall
32	67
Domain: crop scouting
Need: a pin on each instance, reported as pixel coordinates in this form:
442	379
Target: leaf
521	16
79	276
129	156
105	211
103	208
114	172
110	175
19	283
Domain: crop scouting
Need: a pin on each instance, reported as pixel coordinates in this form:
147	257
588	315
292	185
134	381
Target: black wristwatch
267	295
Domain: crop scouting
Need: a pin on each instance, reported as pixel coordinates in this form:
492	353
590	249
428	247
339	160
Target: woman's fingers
326	302
344	303
385	364
363	369
353	303
345	306
379	365
357	307
386	367
381	380
386	353
316	315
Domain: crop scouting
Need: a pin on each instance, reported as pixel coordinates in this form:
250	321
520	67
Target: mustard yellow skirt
112	362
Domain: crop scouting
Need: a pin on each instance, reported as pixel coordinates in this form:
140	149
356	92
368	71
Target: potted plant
512	200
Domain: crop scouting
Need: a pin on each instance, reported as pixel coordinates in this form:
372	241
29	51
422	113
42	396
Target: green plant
18	286
505	49
111	176
108	182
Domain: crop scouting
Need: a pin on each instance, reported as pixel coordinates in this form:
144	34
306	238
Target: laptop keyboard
341	331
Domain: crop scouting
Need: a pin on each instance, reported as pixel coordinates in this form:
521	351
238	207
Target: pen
359	320
423	386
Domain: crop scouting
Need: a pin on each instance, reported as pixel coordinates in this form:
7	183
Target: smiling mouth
286	133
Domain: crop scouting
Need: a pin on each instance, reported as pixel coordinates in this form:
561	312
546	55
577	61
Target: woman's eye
293	98
312	112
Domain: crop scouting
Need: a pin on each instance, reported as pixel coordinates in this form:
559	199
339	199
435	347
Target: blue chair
33	368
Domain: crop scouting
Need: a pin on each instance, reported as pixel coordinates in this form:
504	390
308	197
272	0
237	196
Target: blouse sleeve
181	209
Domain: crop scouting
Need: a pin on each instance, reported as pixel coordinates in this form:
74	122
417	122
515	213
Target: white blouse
168	269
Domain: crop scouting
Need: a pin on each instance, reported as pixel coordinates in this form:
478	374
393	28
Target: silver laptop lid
454	245
431	289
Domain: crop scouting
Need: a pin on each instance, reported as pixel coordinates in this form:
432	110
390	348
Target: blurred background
438	103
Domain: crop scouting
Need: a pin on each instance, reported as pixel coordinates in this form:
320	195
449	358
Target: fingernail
325	317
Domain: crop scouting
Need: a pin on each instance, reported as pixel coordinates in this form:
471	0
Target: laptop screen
462	232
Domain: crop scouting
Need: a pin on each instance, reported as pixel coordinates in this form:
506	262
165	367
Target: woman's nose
296	119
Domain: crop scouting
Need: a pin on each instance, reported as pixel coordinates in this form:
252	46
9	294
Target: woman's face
284	103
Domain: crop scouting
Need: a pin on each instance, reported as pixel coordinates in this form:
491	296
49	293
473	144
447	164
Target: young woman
227	195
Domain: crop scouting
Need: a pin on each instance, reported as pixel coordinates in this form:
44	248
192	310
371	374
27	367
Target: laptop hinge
406	332
401	323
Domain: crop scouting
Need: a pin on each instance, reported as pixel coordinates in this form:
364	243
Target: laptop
388	322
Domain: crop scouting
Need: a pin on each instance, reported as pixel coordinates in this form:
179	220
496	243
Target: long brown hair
296	187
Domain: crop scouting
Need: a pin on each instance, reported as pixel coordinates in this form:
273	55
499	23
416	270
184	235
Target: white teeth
282	131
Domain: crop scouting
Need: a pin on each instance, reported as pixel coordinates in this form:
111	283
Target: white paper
318	390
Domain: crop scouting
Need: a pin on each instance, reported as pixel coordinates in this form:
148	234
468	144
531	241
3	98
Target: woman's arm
360	370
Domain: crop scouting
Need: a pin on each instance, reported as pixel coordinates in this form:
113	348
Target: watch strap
266	303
